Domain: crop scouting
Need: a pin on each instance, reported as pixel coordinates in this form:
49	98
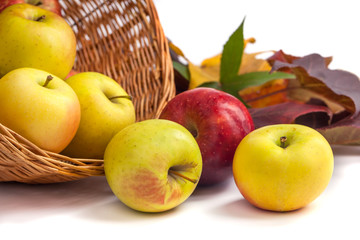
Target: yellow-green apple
39	106
37	38
283	167
153	165
218	122
106	108
51	5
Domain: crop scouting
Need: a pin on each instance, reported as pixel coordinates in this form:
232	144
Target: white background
87	209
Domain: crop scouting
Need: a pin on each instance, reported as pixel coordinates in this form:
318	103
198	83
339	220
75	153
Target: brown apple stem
183	176
122	96
48	79
42	17
283	139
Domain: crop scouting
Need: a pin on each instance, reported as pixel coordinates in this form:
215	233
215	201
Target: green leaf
182	69
218	86
215	85
232	55
243	81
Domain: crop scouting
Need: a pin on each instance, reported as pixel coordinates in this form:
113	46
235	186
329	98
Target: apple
218	121
51	5
153	165
6	3
105	109
36	38
283	167
39	106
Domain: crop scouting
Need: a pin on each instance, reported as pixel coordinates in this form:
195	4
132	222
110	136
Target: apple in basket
153	165
51	5
39	106
218	121
105	109
283	167
37	38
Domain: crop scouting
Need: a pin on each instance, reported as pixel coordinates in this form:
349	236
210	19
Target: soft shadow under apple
115	211
242	209
342	150
24	202
202	193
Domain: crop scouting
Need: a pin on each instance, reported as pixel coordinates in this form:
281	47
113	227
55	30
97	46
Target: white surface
201	28
87	209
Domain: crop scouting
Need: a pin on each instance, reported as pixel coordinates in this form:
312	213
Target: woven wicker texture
121	39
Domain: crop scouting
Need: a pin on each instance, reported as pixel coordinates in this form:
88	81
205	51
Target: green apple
37	38
43	109
153	165
105	109
283	167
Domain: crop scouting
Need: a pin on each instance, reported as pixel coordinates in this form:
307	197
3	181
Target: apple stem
183	176
283	139
40	18
122	96
48	79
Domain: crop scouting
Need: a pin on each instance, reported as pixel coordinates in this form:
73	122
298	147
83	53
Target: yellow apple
37	38
105	109
153	165
45	112
283	167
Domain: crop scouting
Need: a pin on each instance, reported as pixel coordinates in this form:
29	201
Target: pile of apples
76	115
202	137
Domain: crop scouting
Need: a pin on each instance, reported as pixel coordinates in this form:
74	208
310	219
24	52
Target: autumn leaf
346	131
209	70
291	112
267	94
255	95
230	65
327	100
198	76
246	80
313	75
250	63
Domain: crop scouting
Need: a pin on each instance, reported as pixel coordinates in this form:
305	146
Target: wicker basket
121	39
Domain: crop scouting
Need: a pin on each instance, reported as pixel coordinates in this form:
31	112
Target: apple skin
51	5
6	3
138	162
218	122
47	116
283	179
48	44
101	118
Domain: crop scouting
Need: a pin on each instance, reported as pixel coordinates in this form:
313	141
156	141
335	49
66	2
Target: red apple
5	3
218	121
51	5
